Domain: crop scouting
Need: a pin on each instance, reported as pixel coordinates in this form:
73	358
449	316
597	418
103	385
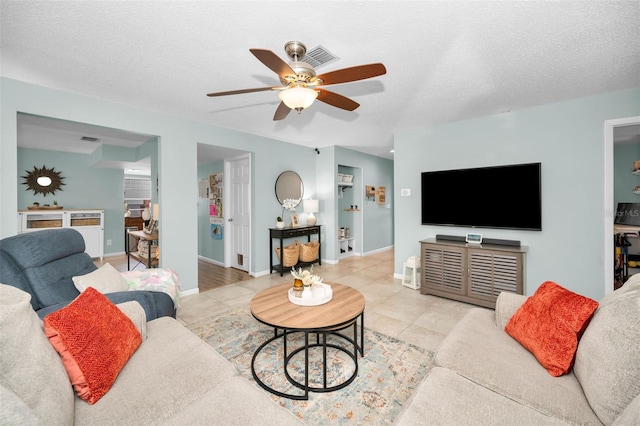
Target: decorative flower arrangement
290	204
307	277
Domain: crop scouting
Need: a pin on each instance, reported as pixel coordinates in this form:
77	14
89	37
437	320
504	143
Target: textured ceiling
445	60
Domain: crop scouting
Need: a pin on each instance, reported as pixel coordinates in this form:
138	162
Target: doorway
609	208
237	246
217	227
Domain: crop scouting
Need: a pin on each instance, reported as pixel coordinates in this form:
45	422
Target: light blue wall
568	139
177	171
623	180
208	247
87	186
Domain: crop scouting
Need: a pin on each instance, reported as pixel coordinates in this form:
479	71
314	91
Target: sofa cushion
630	415
105	279
11	273
48	259
95	340
171	370
136	314
31	368
550	323
227	404
608	358
507	304
478	350
445	398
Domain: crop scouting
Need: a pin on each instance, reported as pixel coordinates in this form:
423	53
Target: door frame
609	208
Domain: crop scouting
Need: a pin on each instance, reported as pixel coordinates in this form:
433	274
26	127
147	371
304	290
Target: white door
238	214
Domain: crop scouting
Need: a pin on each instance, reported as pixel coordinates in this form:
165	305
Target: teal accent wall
624	181
568	139
209	248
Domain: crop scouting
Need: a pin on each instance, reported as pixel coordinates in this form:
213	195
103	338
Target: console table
292	232
149	259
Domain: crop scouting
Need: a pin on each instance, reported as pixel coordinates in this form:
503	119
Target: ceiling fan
300	84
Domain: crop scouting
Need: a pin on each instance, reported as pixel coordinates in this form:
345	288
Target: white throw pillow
105	279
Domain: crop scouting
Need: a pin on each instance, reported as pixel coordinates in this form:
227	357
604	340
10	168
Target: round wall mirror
43	180
289	186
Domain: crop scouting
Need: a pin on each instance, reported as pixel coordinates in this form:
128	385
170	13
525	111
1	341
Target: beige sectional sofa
174	378
482	376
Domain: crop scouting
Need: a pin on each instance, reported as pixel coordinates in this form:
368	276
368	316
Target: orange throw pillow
95	340
549	325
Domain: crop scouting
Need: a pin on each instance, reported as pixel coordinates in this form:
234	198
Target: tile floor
391	308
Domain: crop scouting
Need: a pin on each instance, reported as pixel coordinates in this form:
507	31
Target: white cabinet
90	224
346	246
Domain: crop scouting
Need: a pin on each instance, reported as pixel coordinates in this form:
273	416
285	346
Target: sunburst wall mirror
43	181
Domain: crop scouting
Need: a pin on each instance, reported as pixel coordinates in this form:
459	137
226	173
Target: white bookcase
90	223
346	246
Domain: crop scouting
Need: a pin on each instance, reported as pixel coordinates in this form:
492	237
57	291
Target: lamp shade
156	212
298	97
311	207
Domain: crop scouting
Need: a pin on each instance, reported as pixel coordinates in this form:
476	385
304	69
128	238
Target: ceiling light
298	98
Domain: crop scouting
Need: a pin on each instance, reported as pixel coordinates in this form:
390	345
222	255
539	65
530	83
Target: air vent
319	56
89	139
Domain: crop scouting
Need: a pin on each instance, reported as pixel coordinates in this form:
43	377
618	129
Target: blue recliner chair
42	263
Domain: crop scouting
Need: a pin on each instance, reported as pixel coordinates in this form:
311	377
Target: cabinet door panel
443	269
492	272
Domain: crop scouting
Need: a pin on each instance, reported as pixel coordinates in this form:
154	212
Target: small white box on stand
411	273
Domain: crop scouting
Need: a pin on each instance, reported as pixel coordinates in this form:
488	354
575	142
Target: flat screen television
503	197
628	214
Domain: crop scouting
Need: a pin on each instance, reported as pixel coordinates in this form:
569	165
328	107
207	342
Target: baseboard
212	261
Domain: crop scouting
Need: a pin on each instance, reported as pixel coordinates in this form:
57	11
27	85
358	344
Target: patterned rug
387	374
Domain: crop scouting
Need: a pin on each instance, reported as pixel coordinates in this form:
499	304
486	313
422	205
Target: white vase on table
306	293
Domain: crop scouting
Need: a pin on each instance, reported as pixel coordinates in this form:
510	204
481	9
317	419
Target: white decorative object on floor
410	273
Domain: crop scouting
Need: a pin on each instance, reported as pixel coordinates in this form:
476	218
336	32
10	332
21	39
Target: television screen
507	197
628	214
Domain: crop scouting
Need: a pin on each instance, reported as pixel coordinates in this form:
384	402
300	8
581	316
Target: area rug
388	373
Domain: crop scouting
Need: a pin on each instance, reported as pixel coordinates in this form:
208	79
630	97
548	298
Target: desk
293	232
273	308
149	260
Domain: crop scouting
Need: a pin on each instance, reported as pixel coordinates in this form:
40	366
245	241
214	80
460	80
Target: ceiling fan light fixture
298	98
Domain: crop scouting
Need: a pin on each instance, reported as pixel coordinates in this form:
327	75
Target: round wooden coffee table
273	308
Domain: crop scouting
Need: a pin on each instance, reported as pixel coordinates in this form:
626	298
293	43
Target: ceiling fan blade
237	92
356	73
336	100
282	111
273	62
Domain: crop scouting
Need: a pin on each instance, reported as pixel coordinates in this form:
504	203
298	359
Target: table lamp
311	207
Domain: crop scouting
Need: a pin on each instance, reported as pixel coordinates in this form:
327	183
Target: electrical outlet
108	242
